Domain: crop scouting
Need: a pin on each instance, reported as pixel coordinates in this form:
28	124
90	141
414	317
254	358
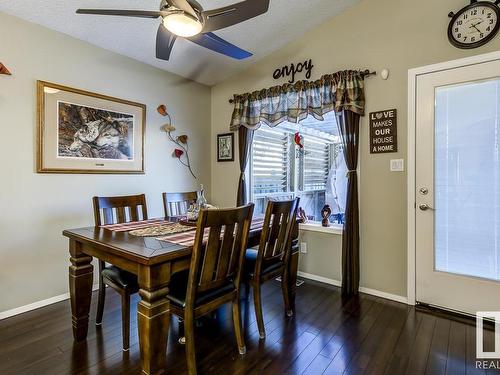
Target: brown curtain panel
245	137
348	123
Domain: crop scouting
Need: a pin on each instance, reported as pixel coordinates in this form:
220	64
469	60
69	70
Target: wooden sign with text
384	131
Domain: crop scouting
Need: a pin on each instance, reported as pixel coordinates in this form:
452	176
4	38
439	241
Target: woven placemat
161	230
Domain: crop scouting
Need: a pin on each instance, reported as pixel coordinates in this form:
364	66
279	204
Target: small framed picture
225	147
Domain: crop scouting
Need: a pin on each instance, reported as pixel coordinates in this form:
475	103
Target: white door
458	188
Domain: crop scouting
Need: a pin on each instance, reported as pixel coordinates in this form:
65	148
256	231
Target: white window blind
270	161
315	164
467	179
280	170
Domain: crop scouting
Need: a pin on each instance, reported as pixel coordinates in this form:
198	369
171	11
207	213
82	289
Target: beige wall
324	255
36	207
376	34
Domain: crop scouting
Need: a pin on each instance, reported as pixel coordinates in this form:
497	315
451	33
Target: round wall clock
474	25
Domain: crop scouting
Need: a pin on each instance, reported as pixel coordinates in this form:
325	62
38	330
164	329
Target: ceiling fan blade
164	43
118	12
183	5
214	43
227	16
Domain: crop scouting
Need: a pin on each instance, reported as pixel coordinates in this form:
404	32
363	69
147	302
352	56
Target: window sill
315	226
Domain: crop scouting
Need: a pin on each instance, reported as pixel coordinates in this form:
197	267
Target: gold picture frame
84	132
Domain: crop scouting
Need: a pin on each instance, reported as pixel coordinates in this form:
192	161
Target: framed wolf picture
85	132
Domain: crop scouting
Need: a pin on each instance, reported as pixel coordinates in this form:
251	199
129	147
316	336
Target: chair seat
178	287
121	278
251	259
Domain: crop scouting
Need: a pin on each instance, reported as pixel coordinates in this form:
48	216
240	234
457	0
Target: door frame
413	75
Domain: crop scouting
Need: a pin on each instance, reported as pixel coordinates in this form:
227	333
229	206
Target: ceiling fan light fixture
182	24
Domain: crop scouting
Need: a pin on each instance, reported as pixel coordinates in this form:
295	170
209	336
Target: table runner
162	230
182	235
187	238
125	227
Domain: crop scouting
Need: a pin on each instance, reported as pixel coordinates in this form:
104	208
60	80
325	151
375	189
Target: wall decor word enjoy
292	70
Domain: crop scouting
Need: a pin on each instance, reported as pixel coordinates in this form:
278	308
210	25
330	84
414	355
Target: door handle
425	207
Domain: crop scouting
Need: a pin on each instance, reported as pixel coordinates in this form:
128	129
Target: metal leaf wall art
181	151
4	70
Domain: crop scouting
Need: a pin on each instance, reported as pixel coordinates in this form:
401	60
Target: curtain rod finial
367	73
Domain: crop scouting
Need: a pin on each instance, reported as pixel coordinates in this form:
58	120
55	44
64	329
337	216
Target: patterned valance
294	102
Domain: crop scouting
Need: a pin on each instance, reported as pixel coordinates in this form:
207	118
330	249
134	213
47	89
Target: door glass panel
467	179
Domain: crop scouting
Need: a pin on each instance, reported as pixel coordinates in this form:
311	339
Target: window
280	169
270	162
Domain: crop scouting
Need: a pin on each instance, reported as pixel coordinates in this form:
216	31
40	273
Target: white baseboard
321	279
378	293
37	305
373	292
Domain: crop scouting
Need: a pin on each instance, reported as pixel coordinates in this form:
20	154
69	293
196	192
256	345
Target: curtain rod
365	73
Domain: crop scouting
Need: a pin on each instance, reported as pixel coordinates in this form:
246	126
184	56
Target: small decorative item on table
194	209
192	213
188	221
201	202
326	212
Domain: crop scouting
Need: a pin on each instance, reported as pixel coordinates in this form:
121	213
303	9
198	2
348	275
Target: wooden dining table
153	261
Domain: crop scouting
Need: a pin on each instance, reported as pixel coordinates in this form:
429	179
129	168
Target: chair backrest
177	204
117	210
275	241
218	260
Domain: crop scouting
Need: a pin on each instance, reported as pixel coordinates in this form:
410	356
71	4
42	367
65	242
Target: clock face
474	25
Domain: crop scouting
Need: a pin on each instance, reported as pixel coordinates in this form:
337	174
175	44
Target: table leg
80	287
153	317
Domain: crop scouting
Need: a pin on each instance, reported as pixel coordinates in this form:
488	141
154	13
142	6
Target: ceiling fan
187	19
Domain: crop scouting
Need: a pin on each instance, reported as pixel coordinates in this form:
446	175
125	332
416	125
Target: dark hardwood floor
327	336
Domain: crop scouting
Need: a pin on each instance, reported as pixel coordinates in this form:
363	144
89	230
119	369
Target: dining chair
214	275
273	255
117	210
177	204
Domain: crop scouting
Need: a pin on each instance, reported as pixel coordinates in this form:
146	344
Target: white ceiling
134	37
